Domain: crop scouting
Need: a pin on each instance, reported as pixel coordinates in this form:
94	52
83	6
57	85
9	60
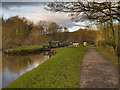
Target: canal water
14	66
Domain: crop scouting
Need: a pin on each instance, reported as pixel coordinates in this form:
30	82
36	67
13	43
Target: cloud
36	12
39	13
20	4
74	28
61	19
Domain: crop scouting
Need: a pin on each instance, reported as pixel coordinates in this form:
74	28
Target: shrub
104	43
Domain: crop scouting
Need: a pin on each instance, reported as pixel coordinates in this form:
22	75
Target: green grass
109	54
26	47
60	71
75	46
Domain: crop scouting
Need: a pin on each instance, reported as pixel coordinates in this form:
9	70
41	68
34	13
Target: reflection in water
14	66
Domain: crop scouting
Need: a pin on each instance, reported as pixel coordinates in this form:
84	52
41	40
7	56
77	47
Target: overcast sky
35	11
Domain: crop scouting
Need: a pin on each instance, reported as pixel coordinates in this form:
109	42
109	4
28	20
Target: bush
104	43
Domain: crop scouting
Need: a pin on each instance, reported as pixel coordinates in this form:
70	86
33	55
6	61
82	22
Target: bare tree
88	10
93	11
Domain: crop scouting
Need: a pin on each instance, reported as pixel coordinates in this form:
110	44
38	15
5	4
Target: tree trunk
113	31
118	47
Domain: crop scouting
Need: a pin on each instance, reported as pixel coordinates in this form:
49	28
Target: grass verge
109	54
25	47
60	71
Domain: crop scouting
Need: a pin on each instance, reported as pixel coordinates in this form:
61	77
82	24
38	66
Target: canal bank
24	50
60	71
30	49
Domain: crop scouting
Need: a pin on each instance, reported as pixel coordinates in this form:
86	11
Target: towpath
97	72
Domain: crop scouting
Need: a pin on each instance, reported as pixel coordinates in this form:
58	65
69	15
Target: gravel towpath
97	72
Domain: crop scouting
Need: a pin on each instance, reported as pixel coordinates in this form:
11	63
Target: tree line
17	31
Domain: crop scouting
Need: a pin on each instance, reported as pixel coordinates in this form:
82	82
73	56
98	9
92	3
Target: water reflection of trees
17	63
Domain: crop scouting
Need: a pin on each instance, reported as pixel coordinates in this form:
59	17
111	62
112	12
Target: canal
14	66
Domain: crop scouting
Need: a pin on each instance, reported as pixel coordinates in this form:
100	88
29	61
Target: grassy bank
22	50
25	47
60	71
109	54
